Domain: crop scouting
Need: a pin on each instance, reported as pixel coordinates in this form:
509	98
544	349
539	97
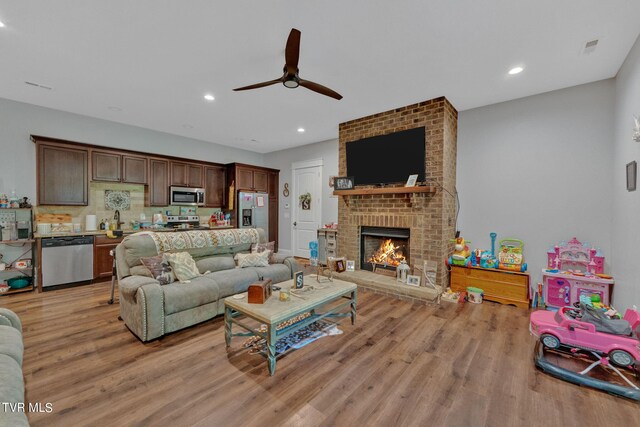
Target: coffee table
327	299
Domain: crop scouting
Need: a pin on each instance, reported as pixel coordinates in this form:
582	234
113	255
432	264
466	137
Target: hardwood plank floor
402	364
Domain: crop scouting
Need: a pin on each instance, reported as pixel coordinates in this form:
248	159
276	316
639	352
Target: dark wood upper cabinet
244	179
105	166
195	176
158	182
187	175
215	186
134	169
274	178
252	179
260	180
114	167
179	174
63	175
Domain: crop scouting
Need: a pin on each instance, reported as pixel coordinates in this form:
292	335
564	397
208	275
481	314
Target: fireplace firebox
383	247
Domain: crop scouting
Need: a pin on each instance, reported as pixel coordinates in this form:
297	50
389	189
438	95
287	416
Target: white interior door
307	178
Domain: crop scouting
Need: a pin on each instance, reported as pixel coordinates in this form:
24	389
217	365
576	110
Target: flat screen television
387	159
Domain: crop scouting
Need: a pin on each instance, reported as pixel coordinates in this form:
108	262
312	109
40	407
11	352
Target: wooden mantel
385	190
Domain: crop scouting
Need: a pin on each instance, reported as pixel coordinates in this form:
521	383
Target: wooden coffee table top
276	311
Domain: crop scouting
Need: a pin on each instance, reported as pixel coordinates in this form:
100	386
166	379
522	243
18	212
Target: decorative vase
402	271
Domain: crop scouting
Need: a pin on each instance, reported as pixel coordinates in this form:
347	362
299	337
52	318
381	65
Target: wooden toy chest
506	287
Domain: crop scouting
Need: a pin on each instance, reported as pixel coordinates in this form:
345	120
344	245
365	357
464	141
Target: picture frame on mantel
343	183
412	180
632	169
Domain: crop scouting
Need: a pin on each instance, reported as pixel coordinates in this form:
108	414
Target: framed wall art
343	183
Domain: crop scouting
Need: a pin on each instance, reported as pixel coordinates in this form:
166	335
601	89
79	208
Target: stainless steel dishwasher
66	260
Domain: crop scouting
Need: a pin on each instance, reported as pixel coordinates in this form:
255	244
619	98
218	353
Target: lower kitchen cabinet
102	260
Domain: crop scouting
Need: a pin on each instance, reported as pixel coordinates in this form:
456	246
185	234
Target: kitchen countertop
124	232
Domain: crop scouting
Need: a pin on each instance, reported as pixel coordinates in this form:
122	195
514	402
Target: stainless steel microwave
183	196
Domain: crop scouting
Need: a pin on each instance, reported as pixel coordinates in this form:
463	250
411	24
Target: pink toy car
559	328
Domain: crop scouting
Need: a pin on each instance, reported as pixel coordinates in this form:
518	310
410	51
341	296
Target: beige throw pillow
183	265
253	259
261	247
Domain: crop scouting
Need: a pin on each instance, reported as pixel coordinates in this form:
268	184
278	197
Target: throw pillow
160	269
184	267
261	247
253	259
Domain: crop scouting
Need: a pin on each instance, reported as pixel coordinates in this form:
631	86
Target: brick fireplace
428	217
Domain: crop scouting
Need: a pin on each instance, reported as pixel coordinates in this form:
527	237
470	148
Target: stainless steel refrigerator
253	210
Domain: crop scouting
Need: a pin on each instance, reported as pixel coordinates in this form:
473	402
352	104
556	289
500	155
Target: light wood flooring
401	364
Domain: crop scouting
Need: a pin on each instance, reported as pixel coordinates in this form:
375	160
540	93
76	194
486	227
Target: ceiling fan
291	79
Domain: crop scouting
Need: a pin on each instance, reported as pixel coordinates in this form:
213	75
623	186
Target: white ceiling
155	59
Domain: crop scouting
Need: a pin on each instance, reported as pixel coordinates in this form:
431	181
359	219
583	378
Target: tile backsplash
97	206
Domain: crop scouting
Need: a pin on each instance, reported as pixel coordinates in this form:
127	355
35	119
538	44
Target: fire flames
388	254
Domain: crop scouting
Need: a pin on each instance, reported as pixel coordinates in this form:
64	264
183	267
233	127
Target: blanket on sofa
203	238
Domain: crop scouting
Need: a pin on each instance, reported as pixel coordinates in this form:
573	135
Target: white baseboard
285	252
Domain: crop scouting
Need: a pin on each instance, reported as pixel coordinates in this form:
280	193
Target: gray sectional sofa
151	310
11	379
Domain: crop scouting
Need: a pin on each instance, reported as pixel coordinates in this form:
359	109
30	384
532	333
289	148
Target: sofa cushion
254	259
140	270
236	281
216	263
137	246
11	343
183	265
11	391
276	272
184	296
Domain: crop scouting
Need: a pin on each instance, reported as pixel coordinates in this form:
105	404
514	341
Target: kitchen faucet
116	218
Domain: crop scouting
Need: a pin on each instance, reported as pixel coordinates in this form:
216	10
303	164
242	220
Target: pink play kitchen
573	270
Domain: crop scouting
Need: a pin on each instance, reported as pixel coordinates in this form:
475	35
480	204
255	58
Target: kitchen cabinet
134	169
158	191
102	259
252	179
215	186
114	167
273	184
187	174
105	166
62	175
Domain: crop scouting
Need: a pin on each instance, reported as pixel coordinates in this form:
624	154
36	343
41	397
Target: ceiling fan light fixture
291	83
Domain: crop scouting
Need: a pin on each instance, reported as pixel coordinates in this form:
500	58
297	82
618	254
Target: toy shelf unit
575	269
506	287
16	250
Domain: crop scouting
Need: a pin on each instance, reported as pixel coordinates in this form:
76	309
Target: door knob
295	223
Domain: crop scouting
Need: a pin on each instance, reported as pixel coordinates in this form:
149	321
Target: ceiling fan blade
292	52
258	85
320	89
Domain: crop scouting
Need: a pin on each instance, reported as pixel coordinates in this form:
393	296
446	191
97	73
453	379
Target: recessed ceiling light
209	97
301	130
112	108
516	70
187	126
1	24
